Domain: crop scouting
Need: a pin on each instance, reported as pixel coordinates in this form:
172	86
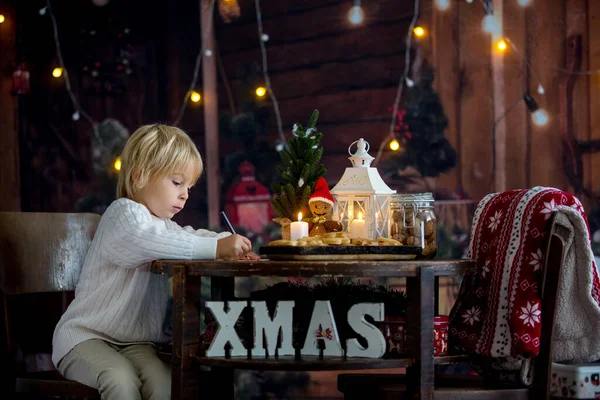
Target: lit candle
298	229
358	227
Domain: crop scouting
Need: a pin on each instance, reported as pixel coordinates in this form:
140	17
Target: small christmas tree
300	170
423	122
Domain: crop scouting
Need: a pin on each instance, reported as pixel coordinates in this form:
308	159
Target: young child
104	339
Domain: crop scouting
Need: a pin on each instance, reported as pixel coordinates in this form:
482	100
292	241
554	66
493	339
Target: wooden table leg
222	379
186	335
420	322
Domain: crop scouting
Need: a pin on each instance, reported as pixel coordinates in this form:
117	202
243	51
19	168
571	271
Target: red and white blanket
497	312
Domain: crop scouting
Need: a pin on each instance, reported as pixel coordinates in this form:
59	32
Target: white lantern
362	197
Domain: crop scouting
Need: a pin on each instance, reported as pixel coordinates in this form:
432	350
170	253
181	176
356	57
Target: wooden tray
333	252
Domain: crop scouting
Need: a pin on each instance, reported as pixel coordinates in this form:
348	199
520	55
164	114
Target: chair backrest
43	252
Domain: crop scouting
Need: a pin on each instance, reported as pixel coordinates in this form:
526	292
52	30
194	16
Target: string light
57	72
409	82
394	145
2	18
524	3
491	25
419	31
265	70
43	10
403	78
539	116
261	91
469	1
195	97
356	15
117	164
202	51
443	4
208	52
75	116
540	89
501	45
264	37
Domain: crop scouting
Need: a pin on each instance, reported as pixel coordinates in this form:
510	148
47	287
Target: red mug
394	332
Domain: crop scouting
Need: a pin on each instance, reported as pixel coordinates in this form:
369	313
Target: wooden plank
273	8
576	24
546	33
515	79
332	77
445	27
10	199
309	24
594	83
476	106
358	105
369	41
499	122
211	117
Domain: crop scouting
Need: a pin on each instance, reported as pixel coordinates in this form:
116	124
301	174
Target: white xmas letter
226	332
282	320
375	340
322	323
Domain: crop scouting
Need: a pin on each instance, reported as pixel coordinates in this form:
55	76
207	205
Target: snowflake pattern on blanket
498	309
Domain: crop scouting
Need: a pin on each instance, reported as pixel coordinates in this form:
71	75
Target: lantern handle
361	148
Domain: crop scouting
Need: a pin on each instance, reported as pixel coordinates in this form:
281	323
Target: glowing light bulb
356	15
469	1
117	164
419	31
195	97
540	117
410	82
501	45
261	91
75	116
394	145
540	89
57	72
2	18
490	24
524	3
443	4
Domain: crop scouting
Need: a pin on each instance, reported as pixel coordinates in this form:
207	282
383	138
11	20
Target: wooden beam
499	126
211	115
515	79
10	199
476	103
593	16
445	44
546	25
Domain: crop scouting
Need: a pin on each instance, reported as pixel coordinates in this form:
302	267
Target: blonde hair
155	151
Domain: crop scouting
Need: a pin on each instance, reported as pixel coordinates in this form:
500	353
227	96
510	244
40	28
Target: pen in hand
229	226
226	220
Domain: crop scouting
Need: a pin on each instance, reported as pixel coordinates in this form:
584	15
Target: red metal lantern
248	202
20	79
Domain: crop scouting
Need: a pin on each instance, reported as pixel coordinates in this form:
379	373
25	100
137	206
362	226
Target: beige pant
132	372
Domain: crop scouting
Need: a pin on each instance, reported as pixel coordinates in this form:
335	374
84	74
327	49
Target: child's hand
251	257
233	247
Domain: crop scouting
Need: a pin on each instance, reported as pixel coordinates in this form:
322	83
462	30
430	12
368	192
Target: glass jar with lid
413	221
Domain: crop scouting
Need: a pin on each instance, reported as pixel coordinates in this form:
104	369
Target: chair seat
51	383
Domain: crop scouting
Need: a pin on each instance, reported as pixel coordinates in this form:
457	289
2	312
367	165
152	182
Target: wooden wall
10	198
317	60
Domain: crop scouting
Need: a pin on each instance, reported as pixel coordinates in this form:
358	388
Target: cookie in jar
413	222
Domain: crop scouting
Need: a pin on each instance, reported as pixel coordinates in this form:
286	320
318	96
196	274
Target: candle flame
299	216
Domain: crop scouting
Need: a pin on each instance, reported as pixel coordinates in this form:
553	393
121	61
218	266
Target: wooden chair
459	387
41	253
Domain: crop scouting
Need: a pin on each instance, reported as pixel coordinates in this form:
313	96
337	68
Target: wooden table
421	291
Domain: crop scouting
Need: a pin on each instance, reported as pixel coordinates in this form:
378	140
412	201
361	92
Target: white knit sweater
117	298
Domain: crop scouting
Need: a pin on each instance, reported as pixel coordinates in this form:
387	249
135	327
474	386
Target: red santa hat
321	192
